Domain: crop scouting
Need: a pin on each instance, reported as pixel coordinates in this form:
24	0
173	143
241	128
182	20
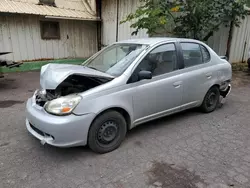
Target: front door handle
177	84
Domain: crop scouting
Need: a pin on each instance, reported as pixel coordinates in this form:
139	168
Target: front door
162	94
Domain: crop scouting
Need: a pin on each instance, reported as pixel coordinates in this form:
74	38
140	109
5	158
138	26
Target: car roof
155	40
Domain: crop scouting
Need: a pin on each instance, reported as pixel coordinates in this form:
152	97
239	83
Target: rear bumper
224	93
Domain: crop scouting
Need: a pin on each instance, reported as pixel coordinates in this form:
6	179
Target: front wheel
211	100
107	132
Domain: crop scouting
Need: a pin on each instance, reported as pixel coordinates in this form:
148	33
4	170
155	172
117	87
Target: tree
248	3
197	19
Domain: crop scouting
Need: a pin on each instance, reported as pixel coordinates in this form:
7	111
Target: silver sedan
126	84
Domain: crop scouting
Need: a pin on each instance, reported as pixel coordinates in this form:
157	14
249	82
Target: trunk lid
53	74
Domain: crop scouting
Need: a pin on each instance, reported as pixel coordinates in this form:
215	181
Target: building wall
109	12
218	42
125	8
240	42
110	23
109	15
21	35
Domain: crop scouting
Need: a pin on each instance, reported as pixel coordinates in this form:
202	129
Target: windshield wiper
93	68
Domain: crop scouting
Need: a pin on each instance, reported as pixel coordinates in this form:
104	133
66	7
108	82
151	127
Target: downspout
99	24
229	40
244	49
117	20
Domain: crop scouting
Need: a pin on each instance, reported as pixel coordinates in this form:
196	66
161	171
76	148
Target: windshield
115	59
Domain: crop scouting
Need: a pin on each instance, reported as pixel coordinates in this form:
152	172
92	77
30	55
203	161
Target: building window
50	30
47	2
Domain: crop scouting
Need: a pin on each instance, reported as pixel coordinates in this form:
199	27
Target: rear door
197	73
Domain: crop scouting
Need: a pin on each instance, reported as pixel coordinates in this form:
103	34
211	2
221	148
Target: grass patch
239	66
36	65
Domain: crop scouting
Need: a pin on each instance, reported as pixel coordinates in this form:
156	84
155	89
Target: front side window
115	59
161	60
192	54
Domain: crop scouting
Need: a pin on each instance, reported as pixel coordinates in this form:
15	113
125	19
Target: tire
211	100
107	132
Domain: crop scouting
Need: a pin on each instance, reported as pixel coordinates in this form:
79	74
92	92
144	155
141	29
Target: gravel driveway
187	150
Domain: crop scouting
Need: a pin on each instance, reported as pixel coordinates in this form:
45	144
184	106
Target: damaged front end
62	80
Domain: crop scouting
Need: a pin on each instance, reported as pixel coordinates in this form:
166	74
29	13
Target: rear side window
205	54
192	54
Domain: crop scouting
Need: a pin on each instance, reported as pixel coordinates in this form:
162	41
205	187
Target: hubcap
211	99
107	132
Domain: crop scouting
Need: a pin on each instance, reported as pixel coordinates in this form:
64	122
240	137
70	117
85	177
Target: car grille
42	99
39	100
40	132
40	103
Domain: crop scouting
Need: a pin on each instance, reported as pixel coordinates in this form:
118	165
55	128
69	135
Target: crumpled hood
54	74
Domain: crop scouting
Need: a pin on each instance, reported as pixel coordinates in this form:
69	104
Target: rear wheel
211	100
107	132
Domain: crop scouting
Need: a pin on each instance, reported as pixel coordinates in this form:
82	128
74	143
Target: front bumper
60	131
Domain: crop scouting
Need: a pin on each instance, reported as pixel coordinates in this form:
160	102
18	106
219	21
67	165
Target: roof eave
55	17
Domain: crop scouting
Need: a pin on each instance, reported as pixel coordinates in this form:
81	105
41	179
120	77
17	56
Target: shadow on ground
164	121
141	129
7	84
9	103
69	153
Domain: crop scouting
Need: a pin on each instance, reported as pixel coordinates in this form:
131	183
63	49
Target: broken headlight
63	105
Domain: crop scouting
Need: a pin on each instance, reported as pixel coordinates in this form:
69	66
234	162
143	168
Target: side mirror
224	57
145	75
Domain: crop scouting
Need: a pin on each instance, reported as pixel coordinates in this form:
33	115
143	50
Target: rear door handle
177	84
209	75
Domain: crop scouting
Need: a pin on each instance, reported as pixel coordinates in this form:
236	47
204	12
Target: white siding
218	42
109	18
125	8
240	42
20	34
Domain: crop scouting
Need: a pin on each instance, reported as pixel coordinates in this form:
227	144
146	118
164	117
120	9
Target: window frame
58	37
203	62
178	59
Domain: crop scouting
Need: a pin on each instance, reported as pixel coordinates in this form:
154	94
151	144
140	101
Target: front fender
103	103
